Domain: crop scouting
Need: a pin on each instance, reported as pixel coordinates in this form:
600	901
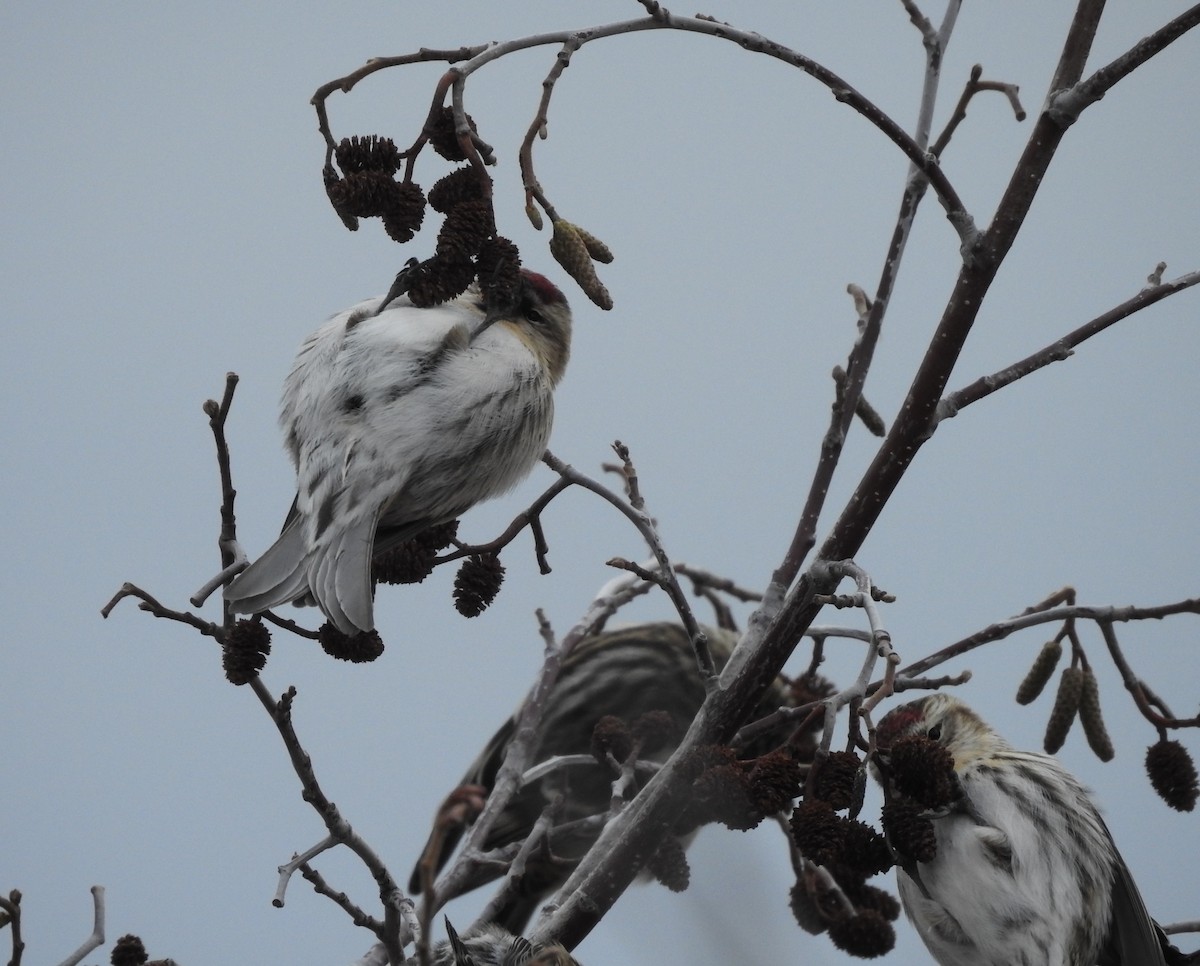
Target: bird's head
942	718
541	317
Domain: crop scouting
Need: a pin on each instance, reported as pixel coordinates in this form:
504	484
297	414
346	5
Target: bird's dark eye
935	732
534	316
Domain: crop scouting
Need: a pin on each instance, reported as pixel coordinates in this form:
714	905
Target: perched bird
1025	871
492	945
624	673
398	418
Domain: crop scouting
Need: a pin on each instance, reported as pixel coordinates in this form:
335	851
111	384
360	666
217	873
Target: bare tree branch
1061	349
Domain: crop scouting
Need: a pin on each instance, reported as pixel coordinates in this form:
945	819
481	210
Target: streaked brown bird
491	945
623	673
1025	870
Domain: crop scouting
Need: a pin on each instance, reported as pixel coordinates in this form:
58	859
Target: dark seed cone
498	266
922	769
720	792
1039	674
245	651
367	153
464	230
669	865
405	212
461	184
477	583
611	736
865	851
442	137
1066	706
806	910
364	194
654	730
838	781
1173	774
357	648
866	935
909	831
128	951
1091	719
818	832
412	561
438	280
866	896
774	782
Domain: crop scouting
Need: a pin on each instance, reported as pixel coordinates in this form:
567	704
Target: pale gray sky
165	222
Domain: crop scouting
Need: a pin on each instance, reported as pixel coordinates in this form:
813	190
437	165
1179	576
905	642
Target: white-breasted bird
398	418
1025	870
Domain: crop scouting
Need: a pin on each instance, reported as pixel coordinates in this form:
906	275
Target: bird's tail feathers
341	577
279	576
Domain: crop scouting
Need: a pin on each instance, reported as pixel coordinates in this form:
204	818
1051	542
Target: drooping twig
347	83
1134	685
538	128
467	60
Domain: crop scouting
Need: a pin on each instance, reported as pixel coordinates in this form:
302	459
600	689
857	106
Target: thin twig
152	606
649	531
1061	349
96	939
323	888
973	86
288	869
396	928
871	314
467	60
1002	629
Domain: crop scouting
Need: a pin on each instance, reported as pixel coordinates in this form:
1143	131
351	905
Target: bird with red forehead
1023	869
398	418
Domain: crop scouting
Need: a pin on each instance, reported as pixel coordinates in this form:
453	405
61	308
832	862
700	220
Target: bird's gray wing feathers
1133	937
277	577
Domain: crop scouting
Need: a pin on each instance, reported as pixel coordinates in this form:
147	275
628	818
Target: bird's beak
493	315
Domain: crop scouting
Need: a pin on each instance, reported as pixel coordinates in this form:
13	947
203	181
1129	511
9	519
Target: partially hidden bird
1025	870
488	944
398	418
624	673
